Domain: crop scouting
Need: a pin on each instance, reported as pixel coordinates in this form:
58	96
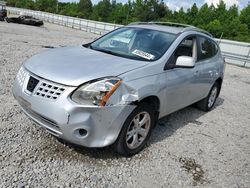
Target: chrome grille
44	89
21	75
49	90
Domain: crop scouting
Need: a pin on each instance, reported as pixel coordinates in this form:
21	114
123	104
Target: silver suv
112	91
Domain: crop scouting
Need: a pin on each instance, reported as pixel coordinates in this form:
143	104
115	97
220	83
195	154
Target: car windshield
135	43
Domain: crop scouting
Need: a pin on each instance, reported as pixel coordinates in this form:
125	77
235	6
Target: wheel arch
151	100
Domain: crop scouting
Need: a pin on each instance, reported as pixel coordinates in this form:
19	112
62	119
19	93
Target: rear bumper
64	118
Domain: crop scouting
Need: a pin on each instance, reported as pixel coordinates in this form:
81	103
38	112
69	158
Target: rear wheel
207	103
136	130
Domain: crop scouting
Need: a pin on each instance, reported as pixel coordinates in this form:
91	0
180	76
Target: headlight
96	93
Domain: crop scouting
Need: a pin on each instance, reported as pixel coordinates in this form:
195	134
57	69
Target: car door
179	82
206	67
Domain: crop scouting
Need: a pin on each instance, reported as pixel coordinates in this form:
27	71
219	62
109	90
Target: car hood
76	65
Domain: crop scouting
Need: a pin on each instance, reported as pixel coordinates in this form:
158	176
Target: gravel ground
187	148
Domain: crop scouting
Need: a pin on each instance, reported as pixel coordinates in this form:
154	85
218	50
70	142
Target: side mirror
185	62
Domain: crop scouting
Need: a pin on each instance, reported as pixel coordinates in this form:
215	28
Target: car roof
169	27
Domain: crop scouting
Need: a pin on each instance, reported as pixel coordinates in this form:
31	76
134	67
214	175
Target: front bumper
64	118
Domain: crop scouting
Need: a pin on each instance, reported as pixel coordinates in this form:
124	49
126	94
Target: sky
176	5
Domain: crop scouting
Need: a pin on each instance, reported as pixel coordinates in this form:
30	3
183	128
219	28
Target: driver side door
179	86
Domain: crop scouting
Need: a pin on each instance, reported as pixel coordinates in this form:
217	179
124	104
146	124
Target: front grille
40	87
49	90
21	75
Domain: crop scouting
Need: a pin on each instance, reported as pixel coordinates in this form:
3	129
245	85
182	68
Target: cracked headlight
96	93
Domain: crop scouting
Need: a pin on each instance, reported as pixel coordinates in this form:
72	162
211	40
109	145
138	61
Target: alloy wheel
212	97
138	130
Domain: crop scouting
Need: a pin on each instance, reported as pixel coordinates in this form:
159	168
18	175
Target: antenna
220	37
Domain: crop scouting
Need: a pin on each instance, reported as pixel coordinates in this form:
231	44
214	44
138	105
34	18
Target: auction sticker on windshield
143	54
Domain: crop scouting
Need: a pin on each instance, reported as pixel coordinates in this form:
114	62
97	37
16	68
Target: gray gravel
187	148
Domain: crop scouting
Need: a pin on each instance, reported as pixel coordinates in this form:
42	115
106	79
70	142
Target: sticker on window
145	55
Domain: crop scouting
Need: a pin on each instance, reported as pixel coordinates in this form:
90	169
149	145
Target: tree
204	16
29	4
180	16
68	9
221	12
214	18
120	13
101	11
232	12
245	16
215	28
85	8
235	28
11	3
192	14
46	5
139	10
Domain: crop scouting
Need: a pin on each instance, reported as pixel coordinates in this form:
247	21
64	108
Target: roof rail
171	24
197	29
162	23
186	26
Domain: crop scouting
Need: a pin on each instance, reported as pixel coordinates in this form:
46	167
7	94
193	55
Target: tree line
218	20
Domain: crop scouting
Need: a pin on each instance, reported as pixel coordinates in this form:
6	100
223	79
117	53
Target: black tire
121	145
204	103
7	20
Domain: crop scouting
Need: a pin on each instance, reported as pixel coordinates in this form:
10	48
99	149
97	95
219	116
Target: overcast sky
176	5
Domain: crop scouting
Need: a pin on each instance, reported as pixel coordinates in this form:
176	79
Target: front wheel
207	103
7	19
136	130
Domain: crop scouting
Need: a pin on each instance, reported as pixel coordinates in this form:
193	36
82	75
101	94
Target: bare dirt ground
187	148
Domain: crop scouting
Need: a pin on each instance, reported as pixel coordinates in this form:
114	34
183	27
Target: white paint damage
124	95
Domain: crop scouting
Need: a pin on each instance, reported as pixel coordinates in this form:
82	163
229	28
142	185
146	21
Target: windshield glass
135	43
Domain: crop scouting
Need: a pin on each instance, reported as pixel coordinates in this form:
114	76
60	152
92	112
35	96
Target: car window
135	43
207	48
185	48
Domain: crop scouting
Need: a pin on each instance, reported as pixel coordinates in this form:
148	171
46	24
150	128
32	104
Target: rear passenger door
206	66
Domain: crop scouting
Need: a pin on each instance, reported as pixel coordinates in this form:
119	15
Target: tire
7	20
207	103
126	144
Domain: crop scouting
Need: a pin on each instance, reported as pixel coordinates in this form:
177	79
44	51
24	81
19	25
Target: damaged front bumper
89	126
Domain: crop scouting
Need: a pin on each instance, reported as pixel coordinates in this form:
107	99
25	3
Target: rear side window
206	48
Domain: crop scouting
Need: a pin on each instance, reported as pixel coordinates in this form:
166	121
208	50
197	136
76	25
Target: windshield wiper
105	51
117	54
